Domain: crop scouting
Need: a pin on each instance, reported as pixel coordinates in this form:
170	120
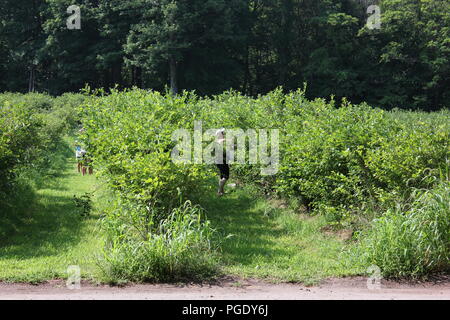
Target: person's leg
224	175
222	182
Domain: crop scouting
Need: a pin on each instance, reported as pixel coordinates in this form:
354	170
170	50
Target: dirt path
348	289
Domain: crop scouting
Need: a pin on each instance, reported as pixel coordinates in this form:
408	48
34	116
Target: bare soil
354	288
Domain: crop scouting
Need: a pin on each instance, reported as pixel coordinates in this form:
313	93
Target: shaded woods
251	46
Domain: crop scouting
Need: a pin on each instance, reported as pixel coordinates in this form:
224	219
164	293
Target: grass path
265	241
257	239
53	235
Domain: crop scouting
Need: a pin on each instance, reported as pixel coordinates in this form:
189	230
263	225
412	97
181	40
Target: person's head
220	133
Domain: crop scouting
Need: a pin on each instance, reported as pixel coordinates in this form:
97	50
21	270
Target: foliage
129	136
19	128
411	240
356	157
336	159
250	46
41	232
346	162
84	203
178	247
31	130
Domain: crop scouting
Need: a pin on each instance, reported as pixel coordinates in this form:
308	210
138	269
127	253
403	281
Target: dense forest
213	45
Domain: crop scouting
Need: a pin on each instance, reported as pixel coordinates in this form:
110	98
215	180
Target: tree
21	26
213	45
410	54
184	36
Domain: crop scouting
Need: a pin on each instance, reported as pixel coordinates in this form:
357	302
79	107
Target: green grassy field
356	186
258	238
263	239
53	235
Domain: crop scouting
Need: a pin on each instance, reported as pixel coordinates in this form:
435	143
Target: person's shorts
224	171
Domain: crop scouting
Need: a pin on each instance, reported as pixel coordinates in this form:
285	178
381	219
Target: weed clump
176	248
411	242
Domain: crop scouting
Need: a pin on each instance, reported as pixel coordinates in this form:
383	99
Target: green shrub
37	102
20	140
345	160
177	247
129	136
31	129
338	160
66	107
414	241
84	204
325	153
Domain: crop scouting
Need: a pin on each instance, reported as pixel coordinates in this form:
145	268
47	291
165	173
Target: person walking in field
224	167
83	168
86	165
79	154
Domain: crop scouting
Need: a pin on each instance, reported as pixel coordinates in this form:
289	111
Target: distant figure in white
222	164
79	155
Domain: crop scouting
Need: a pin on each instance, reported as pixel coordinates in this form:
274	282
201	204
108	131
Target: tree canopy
214	45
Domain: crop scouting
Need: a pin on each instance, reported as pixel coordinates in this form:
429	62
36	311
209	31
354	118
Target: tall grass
176	248
349	163
411	242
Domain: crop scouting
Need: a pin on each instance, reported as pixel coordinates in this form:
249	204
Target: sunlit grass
262	241
53	235
257	239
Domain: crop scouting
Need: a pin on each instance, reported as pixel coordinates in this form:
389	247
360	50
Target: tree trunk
31	80
118	74
133	76
173	75
245	85
136	76
139	80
